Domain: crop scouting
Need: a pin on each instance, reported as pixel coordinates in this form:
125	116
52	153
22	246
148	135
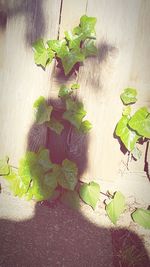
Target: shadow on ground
60	236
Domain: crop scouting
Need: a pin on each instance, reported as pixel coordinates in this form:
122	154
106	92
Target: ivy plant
37	177
133	128
78	44
74	112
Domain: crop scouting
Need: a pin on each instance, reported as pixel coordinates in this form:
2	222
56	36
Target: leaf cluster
74	112
77	45
132	128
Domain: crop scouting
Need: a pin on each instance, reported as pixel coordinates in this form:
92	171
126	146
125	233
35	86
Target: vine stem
147	167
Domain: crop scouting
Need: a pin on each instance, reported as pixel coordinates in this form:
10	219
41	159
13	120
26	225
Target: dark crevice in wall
61	5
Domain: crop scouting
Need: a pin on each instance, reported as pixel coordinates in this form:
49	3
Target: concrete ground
43	235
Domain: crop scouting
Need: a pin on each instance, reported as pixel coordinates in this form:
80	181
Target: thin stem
147	167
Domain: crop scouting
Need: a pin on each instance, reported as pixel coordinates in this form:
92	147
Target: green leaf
28	167
74	40
43	111
140	122
129	96
68	177
18	186
43	159
41	54
89	48
127	136
75	86
89	193
70	59
4	166
64	91
116	207
55	126
126	111
75	113
86	27
58	46
142	217
85	127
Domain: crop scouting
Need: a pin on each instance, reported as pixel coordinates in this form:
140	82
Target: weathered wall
123	40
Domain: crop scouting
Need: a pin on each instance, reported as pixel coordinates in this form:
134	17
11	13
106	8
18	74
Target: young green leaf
75	86
59	47
127	136
140	122
86	27
85	127
69	60
89	48
89	193
55	126
129	96
28	167
68	177
43	159
64	91
115	208
4	166
75	113
18	186
43	111
41	54
142	217
73	39
126	111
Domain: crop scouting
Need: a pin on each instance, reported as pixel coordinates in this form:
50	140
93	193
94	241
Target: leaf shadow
32	12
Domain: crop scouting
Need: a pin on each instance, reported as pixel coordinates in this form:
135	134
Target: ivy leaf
41	54
129	96
70	59
74	40
140	122
86	27
142	217
18	186
4	166
43	111
58	46
28	167
115	208
75	86
55	126
68	177
127	136
85	126
43	159
75	113
126	111
89	48
64	91
89	193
